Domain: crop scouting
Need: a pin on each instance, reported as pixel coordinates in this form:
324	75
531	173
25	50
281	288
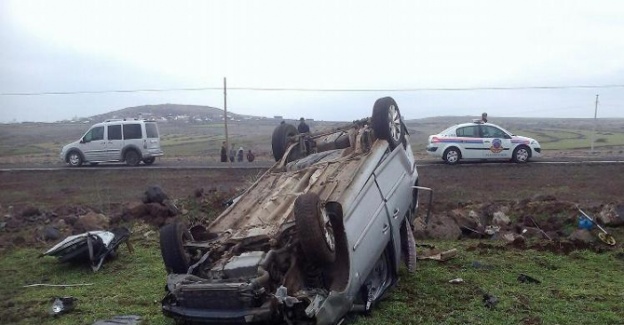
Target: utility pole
225	116
594	127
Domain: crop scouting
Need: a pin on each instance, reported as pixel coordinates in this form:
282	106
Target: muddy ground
34	199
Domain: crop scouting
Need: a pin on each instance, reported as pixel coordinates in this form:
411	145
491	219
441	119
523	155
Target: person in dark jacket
224	157
250	156
484	117
303	127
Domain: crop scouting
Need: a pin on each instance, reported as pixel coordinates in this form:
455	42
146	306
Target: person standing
241	152
232	153
484	117
224	156
250	156
303	127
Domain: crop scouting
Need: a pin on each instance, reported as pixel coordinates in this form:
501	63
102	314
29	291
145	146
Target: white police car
479	140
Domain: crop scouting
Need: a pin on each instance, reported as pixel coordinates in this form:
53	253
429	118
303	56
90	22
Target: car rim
522	155
394	123
73	159
328	232
451	156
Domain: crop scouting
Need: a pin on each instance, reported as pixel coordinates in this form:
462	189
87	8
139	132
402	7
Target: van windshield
151	130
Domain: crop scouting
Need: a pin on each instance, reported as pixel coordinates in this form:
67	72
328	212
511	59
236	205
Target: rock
500	219
199	192
154	194
471	220
51	234
91	221
419	228
30	211
443	227
611	215
173	209
135	209
532	232
582	236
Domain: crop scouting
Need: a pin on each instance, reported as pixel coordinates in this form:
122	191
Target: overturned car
319	235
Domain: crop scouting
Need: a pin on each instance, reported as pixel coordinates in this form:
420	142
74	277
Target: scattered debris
94	246
489	300
456	281
442	257
121	320
604	236
528	279
62	305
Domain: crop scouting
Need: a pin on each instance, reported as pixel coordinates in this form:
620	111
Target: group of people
235	155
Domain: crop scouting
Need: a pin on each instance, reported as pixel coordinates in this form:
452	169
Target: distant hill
170	112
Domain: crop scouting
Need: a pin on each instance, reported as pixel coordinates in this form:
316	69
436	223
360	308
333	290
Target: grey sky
83	45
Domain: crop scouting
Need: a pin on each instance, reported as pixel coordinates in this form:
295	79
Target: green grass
581	288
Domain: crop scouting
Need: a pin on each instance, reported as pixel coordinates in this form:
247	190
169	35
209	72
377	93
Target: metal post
225	118
594	126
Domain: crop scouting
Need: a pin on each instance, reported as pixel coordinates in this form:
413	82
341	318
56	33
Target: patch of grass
581	288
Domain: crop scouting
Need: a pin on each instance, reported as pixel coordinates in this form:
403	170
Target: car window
489	131
132	131
468	131
151	130
96	133
114	132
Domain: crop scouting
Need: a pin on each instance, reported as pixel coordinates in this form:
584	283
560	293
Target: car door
114	142
393	177
367	229
470	141
496	143
93	145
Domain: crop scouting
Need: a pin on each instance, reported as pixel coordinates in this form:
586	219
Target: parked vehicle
477	140
319	235
117	140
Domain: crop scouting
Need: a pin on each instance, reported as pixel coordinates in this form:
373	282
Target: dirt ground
32	199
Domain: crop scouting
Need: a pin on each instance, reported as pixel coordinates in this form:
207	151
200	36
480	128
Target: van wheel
149	161
172	239
132	158
386	121
316	234
74	159
280	139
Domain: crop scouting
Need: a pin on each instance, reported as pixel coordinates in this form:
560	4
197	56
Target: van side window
151	130
97	133
132	131
114	132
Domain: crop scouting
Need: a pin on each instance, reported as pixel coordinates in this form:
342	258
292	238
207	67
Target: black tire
280	139
452	156
149	161
521	154
386	121
316	234
172	238
74	158
132	158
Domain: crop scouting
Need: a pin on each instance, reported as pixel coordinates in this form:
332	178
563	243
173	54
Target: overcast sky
427	49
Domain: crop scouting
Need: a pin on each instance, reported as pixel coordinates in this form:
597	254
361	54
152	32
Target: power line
87	92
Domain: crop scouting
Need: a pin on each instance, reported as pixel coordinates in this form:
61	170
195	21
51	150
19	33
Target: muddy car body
319	235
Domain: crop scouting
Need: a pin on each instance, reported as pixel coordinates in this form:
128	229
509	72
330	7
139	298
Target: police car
478	140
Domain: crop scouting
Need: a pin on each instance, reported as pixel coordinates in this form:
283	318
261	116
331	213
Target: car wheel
408	245
521	154
172	239
132	158
74	159
451	156
149	161
280	139
316	233
386	121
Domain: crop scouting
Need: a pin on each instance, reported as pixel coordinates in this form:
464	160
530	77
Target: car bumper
153	153
261	314
433	150
537	152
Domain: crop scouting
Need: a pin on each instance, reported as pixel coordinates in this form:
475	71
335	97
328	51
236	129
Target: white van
127	140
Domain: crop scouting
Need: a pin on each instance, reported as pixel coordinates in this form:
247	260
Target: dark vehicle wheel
149	161
521	154
280	139
386	121
316	234
452	156
172	239
132	158
74	158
